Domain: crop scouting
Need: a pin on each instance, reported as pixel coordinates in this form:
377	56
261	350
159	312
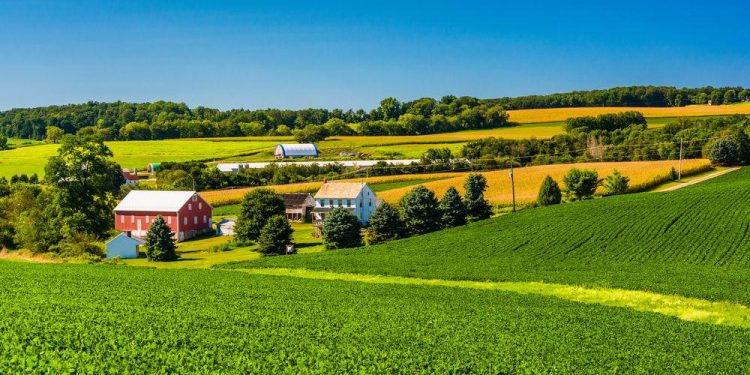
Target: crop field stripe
684	308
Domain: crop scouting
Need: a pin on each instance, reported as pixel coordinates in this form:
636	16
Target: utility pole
679	172
512	185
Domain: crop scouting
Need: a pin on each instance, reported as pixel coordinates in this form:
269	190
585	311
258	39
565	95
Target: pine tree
341	229
257	207
549	192
160	245
385	224
452	208
275	235
420	212
477	208
616	183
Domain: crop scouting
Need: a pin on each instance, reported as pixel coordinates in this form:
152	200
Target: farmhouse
356	197
123	246
284	151
185	212
298	206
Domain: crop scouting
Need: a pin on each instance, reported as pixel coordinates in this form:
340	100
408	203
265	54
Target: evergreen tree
257	207
275	235
341	229
385	224
477	208
420	211
549	192
616	183
160	246
452	208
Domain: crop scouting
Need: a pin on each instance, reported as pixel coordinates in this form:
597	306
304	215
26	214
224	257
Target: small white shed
123	246
225	227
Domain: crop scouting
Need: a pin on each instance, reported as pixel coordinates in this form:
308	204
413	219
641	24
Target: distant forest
162	120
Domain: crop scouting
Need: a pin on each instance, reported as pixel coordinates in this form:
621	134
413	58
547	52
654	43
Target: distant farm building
355	197
293	151
123	246
225	227
185	212
298	206
131	178
236	167
153	167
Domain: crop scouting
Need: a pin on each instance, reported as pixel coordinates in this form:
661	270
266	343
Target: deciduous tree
256	208
341	229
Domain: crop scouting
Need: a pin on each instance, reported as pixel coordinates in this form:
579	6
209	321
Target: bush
275	235
420	211
477	208
581	183
673	175
160	245
724	152
549	192
341	229
452	209
385	224
616	183
257	207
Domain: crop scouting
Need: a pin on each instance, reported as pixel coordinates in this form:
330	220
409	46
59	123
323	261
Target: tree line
621	137
162	119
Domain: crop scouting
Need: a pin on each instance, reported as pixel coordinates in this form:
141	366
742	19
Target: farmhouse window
360	204
190	206
339	202
322	203
370	202
349	202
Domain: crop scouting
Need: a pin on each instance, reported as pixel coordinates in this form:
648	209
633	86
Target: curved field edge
693	242
684	308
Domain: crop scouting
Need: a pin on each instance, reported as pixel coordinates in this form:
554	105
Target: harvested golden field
528	179
525	116
233	196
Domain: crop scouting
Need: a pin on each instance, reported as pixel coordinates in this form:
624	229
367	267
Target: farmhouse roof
154	200
340	190
295	199
297	149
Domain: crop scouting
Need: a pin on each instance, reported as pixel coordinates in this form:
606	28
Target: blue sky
245	54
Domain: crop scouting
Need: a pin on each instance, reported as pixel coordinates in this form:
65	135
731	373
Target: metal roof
297	149
154	200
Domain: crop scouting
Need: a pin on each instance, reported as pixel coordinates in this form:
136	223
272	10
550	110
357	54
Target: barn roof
154	200
301	149
294	199
340	190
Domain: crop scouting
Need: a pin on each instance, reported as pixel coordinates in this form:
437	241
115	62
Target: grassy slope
694	241
77	318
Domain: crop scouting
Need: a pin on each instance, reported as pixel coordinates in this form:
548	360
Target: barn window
190	206
194	198
122	219
169	220
147	219
200	205
205	219
195	219
132	218
184	221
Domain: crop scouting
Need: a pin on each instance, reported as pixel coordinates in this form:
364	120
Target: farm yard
551	285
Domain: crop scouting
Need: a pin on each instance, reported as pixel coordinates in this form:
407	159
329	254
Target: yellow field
528	180
525	116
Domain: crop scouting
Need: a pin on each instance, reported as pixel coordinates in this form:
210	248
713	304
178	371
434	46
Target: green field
137	154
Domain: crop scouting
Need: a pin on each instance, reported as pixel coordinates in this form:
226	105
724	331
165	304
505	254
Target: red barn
184	211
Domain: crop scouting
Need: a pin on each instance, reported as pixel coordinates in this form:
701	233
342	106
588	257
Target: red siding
196	212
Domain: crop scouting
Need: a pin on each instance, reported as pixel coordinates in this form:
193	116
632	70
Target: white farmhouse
356	197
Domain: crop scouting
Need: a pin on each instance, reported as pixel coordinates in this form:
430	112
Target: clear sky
247	54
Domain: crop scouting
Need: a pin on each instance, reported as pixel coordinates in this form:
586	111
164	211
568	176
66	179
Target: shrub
341	229
452	209
160	245
477	208
673	175
724	152
420	212
385	224
616	183
256	208
549	192
581	183
275	235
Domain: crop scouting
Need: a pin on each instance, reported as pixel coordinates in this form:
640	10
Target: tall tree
275	235
549	192
341	229
53	134
256	208
581	183
452	208
160	245
385	224
420	211
477	208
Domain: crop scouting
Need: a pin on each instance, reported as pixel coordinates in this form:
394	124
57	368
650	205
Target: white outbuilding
123	246
300	150
225	227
